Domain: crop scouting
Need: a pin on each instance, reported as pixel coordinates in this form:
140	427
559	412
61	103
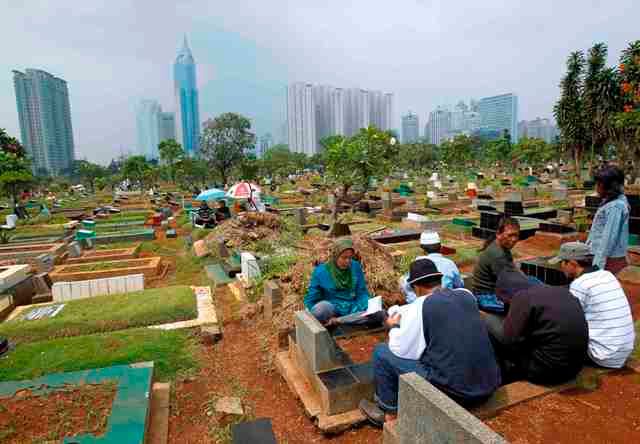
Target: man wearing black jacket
543	337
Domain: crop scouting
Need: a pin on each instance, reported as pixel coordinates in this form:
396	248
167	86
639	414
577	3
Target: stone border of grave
149	266
68	291
105	255
206	312
11	275
28	251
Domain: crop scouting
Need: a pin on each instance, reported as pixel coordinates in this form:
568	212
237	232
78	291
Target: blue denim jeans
323	311
387	369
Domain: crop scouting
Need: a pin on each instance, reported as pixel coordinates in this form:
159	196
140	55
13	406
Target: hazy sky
113	53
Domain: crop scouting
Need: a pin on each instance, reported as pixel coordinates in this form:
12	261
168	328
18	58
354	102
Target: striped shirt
607	311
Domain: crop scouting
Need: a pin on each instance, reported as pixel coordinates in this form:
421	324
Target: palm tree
601	99
569	111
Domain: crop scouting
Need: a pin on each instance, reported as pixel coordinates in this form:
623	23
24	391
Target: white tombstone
249	267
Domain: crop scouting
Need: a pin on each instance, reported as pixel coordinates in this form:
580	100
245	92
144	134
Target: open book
374	313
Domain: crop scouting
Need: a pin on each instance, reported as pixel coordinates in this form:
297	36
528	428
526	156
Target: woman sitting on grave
338	286
609	235
494	258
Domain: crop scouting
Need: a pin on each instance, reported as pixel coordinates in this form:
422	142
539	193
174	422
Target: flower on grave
628	108
626	87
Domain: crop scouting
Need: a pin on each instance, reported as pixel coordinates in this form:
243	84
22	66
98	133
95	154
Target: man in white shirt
430	243
605	305
459	359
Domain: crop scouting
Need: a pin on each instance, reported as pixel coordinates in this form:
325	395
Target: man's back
458	355
607	311
548	325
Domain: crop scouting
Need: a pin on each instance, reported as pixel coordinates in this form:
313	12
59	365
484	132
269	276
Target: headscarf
510	283
343	279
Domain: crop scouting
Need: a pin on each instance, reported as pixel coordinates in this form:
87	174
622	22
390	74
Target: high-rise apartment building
316	112
410	128
539	128
439	126
499	113
45	120
153	126
301	118
166	126
187	103
148	128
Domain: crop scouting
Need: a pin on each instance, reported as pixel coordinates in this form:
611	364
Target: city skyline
243	66
315	112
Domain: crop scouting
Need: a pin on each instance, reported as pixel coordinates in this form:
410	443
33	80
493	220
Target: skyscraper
167	126
410	128
499	113
316	112
439	126
301	118
147	125
187	108
45	120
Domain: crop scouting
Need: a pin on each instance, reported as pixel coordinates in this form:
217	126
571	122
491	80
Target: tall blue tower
187	110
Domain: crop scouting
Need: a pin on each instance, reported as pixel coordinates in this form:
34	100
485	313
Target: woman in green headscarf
338	286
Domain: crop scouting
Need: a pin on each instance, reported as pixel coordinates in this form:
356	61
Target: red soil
606	415
83	409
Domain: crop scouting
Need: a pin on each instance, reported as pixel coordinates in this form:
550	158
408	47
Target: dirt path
240	366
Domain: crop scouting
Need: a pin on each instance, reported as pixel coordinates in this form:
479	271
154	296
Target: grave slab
272	299
159	413
12	275
426	415
315	342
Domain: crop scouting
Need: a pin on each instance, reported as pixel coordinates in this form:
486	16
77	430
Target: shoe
374	414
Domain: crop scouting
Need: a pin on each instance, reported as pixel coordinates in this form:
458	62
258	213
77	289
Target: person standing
337	287
495	257
609	234
430	244
605	305
440	337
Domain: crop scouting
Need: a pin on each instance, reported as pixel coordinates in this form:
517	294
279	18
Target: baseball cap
429	238
576	251
423	270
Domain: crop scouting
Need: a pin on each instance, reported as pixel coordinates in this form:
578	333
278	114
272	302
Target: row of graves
71	296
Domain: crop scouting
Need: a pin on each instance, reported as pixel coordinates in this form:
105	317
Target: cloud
112	53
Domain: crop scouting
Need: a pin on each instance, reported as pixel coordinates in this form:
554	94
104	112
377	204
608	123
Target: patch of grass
107	313
465	256
100	266
171	351
271	268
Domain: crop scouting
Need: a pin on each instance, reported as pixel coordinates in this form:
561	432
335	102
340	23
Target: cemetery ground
113	330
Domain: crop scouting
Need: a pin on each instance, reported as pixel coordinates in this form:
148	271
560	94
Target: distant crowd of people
507	326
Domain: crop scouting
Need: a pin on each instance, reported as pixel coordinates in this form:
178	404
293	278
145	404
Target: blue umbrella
212	194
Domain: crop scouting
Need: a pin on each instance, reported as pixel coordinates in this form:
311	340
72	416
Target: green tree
570	111
171	152
192	171
88	172
225	141
459	152
355	160
416	156
533	152
626	122
10	144
15	175
602	99
498	150
134	168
